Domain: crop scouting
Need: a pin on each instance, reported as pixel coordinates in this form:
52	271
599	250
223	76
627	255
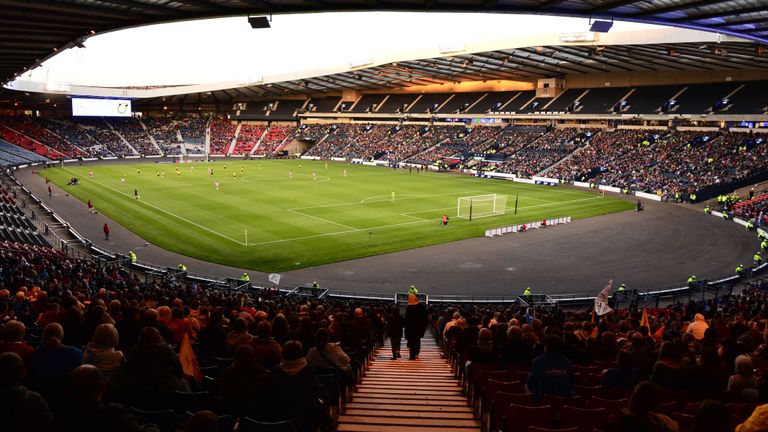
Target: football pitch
264	219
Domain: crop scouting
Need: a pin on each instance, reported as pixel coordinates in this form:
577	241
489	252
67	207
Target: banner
274	278
601	301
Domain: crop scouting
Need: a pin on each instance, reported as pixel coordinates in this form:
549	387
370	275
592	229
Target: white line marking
320	219
162	210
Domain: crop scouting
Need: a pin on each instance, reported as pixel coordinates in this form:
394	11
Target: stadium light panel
259	22
600	26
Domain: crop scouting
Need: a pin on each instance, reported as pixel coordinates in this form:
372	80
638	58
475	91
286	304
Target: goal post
480	206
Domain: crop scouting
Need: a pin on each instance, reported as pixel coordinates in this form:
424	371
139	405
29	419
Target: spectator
698	327
395	324
328	357
623	377
245	386
101	353
712	416
13	341
743	385
267	351
415	324
551	372
52	362
238	336
669	373
297	390
643	414
21	410
152	366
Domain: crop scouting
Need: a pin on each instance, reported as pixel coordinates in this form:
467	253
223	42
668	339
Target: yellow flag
188	360
644	320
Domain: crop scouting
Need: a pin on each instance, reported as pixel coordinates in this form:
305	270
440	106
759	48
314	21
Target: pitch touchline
162	210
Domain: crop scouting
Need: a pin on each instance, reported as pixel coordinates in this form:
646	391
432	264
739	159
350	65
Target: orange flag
659	333
188	360
644	320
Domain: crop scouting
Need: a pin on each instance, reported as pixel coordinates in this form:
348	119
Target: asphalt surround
656	248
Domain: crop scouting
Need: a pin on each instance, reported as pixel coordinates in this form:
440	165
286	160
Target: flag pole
246	236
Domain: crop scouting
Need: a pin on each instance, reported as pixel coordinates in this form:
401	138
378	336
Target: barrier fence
527	226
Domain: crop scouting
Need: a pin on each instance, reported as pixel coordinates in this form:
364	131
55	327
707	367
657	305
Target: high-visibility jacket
413	290
692	280
245	277
739	269
182	267
757	258
133	257
527	292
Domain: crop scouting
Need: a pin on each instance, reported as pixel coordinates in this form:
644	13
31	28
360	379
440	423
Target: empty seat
249	425
585	419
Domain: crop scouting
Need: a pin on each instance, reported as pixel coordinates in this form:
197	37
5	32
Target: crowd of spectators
339	138
24	142
77	135
222	132
275	137
105	135
263	355
33	129
165	131
667	162
192	129
689	355
133	131
755	209
247	138
531	158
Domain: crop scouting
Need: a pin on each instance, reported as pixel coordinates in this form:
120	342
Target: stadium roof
32	31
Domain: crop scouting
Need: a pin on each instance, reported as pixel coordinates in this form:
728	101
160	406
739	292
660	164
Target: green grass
301	222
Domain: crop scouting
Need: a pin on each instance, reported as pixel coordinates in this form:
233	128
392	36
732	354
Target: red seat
558	402
612	407
541	429
492	387
685	421
585	419
588	391
500	403
518	418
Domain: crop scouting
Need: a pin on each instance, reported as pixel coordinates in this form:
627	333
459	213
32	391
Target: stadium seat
518	418
249	425
166	420
541	429
585	419
500	403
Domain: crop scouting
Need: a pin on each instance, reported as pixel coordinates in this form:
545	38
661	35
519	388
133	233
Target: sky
228	49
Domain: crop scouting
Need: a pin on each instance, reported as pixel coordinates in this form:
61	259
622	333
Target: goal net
480	206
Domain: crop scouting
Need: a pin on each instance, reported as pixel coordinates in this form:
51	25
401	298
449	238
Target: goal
480	206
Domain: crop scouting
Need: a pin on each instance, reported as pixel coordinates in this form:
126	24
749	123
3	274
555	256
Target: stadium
224	215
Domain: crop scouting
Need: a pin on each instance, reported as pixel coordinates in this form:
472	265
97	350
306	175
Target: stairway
409	396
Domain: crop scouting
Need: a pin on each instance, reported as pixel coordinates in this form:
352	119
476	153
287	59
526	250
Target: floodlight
259	22
601	26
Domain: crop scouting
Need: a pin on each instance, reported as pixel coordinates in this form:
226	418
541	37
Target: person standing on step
416	322
395	330
106	232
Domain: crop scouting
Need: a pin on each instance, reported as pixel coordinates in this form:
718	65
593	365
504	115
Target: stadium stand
429	102
166	134
460	102
222	132
749	99
548	150
368	102
600	100
77	135
564	102
17	138
396	103
650	99
33	129
134	133
273	139
327	104
247	138
286	109
493	102
193	130
11	155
